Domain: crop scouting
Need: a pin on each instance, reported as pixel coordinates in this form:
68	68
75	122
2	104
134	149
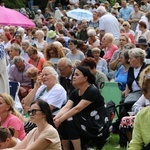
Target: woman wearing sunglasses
44	136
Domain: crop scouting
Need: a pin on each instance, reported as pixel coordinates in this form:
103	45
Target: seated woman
132	91
141	132
7	139
44	136
100	77
34	59
84	115
101	64
48	89
10	117
53	53
121	74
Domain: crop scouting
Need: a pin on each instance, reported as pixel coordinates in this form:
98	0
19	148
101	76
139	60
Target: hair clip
147	76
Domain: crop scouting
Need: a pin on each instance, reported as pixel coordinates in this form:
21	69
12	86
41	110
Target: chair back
14	88
111	91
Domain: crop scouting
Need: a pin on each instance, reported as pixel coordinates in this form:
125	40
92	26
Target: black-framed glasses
61	69
33	111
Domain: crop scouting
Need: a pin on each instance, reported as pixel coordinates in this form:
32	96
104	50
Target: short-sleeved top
78	56
40	63
56	96
14	122
91	94
49	133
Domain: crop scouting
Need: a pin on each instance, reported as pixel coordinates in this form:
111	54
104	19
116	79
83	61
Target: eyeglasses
62	69
45	75
124	25
33	111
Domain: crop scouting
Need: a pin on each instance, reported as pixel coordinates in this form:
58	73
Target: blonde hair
9	101
144	81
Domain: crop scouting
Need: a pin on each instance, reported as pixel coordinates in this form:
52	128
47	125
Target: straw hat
116	5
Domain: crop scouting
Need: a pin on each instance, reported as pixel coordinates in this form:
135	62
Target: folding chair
111	91
14	88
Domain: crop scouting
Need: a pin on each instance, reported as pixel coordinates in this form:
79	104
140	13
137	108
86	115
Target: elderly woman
93	41
48	89
110	48
35	60
44	136
122	72
25	44
40	43
133	90
100	77
53	53
85	106
101	63
140	137
143	32
9	117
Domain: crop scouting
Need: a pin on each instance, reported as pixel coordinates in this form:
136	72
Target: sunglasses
124	25
33	111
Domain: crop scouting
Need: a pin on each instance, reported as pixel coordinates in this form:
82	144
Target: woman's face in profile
78	78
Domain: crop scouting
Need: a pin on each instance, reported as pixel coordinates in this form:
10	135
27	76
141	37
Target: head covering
51	34
2	52
39	10
86	72
142	41
116	5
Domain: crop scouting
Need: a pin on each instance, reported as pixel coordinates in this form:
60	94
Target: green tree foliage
14	3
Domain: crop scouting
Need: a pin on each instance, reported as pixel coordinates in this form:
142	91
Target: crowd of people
61	64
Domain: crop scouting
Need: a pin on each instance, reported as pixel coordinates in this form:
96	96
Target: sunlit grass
112	143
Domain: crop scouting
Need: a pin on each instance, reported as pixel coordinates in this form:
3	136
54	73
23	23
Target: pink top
14	122
109	52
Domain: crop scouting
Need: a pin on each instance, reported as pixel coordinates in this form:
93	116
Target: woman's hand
57	122
38	81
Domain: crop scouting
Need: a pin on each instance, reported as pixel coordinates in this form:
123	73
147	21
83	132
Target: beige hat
116	5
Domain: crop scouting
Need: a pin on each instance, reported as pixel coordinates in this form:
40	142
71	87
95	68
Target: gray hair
66	60
101	10
26	42
91	32
18	59
16	47
109	36
96	49
53	72
138	53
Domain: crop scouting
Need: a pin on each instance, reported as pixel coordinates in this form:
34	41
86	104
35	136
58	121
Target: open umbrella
13	17
80	14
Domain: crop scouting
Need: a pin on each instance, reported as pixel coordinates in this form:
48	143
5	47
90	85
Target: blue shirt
121	77
124	13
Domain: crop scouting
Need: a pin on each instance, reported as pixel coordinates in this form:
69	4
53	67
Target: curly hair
56	49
